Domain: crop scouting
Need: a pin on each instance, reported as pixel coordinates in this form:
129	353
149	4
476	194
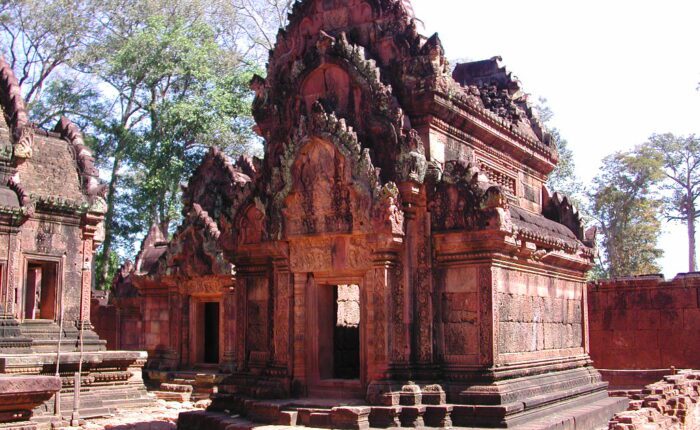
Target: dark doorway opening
211	332
40	290
339	340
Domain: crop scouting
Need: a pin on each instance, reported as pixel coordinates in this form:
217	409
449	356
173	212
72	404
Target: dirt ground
161	416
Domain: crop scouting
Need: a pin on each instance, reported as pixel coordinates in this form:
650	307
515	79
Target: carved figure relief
320	199
24	146
309	255
251	228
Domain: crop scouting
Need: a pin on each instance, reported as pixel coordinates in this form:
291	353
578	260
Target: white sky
614	72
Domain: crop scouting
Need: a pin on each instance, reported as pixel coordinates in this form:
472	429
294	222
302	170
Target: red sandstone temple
395	247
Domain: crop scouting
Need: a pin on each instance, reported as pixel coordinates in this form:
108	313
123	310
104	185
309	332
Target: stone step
172	396
594	415
201	420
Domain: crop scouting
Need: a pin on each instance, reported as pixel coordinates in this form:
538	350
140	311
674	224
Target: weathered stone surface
20	395
642	325
385	416
668	404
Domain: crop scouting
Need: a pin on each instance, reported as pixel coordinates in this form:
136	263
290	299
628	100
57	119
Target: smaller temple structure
51	214
176	302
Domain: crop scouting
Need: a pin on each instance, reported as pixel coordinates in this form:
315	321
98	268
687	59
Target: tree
563	178
151	83
40	36
678	159
178	91
624	205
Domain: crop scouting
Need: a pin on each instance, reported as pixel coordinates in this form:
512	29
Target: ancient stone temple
395	252
51	211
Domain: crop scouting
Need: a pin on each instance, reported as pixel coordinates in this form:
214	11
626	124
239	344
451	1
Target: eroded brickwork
670	404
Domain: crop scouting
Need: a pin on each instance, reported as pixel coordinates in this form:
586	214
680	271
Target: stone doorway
208	332
40	292
339	332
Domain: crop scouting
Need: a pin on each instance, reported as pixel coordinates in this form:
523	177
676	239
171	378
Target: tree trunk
692	267
109	218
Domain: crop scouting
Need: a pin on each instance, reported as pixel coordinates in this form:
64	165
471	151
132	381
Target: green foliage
563	179
110	265
69	95
152	84
624	204
678	159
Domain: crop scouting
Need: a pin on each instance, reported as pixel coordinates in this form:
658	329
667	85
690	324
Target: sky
614	72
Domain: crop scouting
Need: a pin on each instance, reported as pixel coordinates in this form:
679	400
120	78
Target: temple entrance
339	327
41	283
208	339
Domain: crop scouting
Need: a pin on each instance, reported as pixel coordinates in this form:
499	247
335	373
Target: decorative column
173	357
299	359
86	277
10	335
240	304
230	334
93	235
282	318
488	318
382	279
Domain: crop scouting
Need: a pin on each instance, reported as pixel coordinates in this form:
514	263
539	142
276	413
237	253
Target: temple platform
110	380
349	414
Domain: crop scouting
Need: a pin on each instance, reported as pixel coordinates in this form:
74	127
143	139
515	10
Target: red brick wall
104	319
119	323
645	322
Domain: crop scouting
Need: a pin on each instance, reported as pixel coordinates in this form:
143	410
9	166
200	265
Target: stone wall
117	321
646	324
104	319
538	315
668	404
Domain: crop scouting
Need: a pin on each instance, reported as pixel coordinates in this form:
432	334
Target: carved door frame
196	307
59	261
312	296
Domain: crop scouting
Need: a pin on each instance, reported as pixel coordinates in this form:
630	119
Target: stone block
410	395
173	396
320	420
412	416
263	412
304	415
438	416
462	415
287	418
356	418
433	395
385	416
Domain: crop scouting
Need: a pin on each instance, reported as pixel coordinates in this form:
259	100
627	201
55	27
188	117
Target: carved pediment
194	250
464	198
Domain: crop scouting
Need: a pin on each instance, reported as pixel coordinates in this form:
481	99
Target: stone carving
252	226
23	148
86	161
308	255
559	208
387	215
